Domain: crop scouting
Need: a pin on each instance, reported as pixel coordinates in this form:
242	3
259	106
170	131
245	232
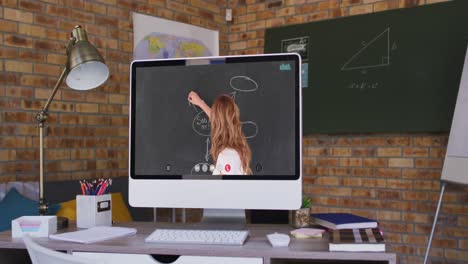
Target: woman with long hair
229	148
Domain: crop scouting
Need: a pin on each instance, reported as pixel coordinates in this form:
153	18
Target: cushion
15	205
68	210
120	213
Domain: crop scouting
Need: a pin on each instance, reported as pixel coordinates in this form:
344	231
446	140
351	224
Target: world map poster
158	38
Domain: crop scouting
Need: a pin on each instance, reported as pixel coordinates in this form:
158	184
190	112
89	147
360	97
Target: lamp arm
41	118
45	108
42	115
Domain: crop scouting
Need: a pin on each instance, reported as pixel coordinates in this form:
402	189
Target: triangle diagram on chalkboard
375	53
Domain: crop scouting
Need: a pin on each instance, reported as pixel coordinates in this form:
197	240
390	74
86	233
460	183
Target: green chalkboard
392	71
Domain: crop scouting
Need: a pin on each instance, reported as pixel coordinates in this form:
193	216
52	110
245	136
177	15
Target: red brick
363	172
32	56
328	181
375	162
430	141
351	162
44	20
7	154
363	151
426	185
386	141
304	9
400	162
255	8
369	193
317	16
8	53
20	92
259	25
388	172
429	163
361	9
388	216
348	181
8	26
18	66
17	15
389	152
399	184
327	161
342	152
371	183
18	41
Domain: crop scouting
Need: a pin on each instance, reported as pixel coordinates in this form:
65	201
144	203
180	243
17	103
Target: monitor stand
223	219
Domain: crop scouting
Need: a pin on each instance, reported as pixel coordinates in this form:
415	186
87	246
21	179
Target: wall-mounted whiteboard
456	160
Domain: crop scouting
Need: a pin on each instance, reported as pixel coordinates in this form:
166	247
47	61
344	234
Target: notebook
94	234
354	240
343	221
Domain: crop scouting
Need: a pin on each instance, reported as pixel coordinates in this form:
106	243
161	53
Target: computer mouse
279	240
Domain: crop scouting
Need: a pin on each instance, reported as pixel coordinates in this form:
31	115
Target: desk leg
266	261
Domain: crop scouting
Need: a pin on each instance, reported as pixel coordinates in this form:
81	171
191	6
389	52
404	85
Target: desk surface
257	246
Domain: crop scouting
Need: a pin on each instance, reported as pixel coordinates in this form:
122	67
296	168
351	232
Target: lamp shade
87	69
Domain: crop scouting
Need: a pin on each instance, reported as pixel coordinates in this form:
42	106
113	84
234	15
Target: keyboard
189	236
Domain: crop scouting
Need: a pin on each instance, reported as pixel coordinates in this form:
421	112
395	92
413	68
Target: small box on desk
93	210
35	226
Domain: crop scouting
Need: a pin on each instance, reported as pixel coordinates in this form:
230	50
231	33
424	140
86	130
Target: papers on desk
94	234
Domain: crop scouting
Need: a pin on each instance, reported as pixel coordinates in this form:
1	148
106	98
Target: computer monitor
170	164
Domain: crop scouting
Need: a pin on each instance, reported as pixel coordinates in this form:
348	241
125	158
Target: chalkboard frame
292	57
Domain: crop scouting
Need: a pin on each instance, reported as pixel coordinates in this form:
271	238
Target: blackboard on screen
172	137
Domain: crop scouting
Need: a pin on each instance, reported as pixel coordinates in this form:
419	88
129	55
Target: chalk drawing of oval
201	124
202	169
243	84
250	129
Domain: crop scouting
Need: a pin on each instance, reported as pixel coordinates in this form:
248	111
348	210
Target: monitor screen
233	118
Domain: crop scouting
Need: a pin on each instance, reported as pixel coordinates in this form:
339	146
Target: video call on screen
172	137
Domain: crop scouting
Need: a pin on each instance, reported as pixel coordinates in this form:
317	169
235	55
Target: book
354	240
94	234
343	221
307	232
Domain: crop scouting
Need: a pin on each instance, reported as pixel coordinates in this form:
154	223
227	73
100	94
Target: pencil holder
93	210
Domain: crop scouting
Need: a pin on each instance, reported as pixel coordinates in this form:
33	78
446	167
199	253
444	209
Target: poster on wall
158	38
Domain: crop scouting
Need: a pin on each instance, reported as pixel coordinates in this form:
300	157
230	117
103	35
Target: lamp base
43	207
62	222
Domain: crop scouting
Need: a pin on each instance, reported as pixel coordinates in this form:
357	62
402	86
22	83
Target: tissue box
35	226
93	210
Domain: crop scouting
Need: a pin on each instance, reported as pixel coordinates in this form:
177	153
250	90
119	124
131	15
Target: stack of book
349	232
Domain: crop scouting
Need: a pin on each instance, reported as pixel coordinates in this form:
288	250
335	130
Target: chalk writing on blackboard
298	45
201	124
374	53
243	84
363	85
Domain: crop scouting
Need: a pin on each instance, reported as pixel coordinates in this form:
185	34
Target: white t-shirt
228	163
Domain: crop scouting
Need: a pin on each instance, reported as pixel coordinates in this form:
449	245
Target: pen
83	191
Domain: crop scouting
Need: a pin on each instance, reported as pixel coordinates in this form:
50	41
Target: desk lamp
85	69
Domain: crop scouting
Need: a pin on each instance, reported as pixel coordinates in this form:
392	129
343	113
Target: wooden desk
257	246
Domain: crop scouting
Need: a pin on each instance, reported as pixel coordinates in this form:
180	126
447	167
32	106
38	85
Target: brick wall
390	177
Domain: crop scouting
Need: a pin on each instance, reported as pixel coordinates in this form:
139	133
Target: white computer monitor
169	140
